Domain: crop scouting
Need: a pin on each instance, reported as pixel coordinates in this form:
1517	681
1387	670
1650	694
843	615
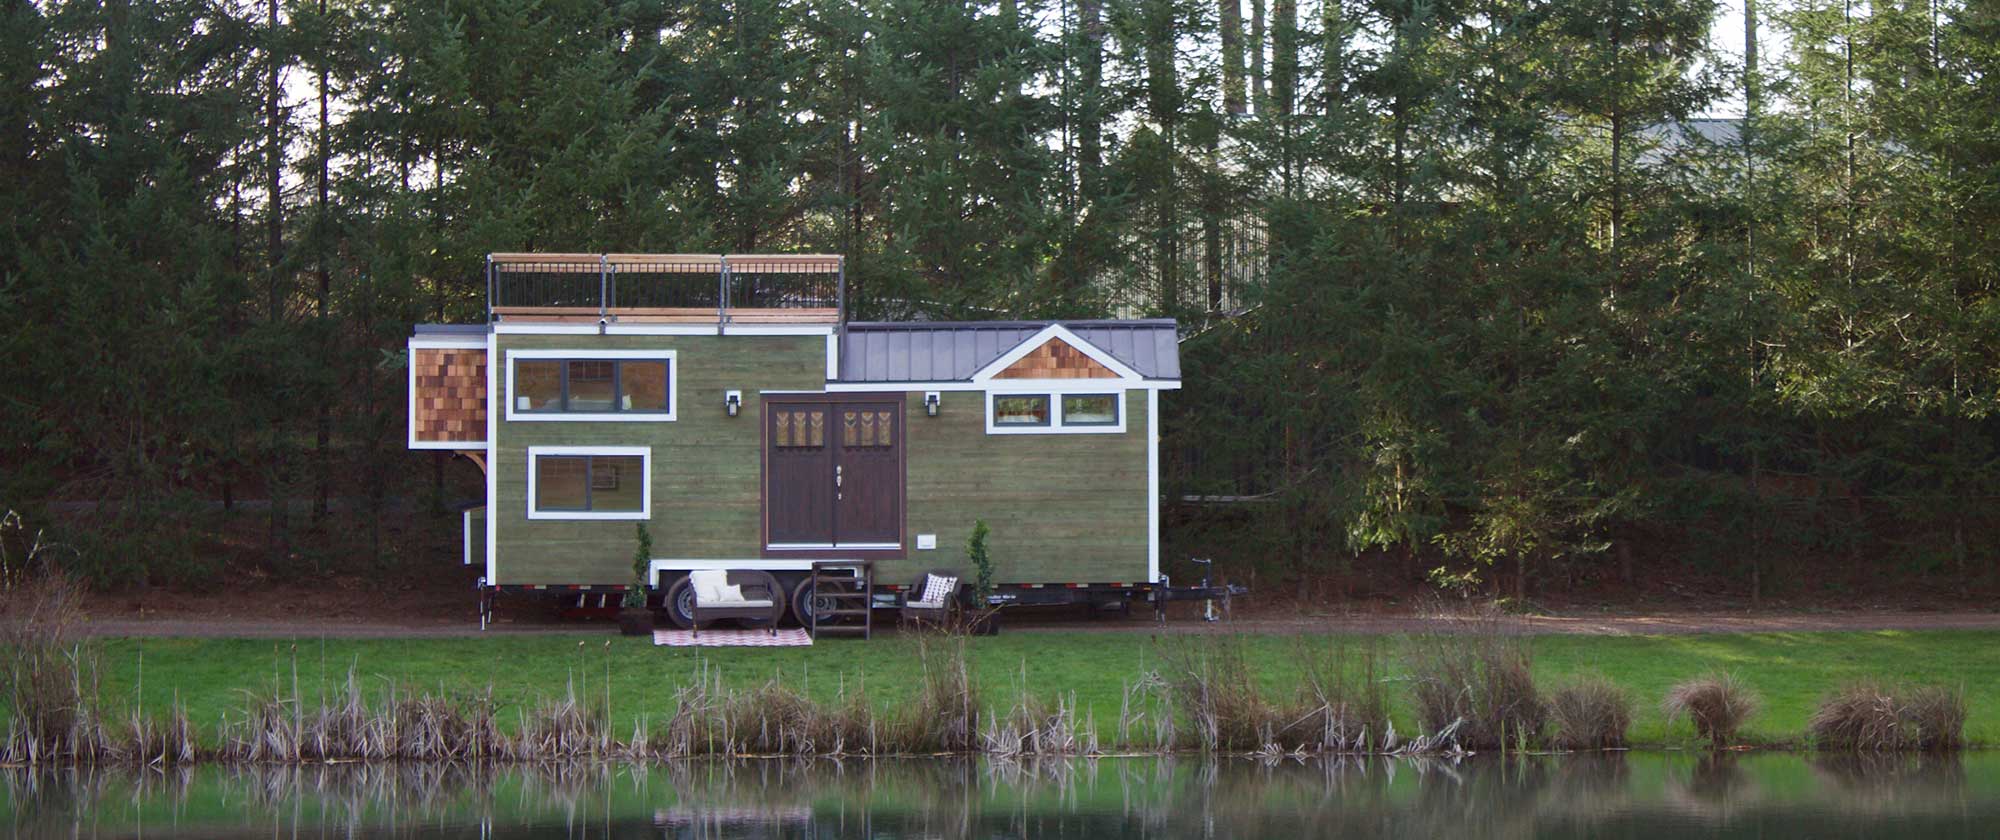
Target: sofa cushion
936	589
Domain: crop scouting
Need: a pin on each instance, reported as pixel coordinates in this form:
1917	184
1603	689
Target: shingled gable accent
1056	359
1074	358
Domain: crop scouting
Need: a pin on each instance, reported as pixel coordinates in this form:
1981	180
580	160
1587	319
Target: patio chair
743	594
933	597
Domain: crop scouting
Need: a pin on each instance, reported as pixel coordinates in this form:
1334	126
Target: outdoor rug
787	637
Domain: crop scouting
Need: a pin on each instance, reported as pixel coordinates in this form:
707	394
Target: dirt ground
445	605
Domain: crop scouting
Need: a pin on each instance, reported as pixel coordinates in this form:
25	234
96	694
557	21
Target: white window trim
1070	387
673	387
645	510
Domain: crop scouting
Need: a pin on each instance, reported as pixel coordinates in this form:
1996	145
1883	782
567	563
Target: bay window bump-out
608	482
620	385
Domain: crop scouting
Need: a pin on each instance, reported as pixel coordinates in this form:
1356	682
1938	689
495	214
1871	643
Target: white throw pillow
708	585
732	592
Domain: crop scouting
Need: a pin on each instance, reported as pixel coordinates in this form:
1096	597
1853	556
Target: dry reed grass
1592	713
1718	705
1865	716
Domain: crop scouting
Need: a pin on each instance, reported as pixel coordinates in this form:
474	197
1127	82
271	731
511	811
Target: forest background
1473	295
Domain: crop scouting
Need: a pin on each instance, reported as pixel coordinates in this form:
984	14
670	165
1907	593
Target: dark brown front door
868	475
833	473
798	491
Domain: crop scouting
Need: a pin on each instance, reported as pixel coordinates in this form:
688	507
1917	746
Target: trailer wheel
805	606
679	604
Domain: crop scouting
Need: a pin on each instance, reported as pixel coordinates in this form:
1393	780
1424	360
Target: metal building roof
935	351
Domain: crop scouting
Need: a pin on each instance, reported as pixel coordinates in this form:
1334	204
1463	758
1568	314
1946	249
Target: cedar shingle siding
450	394
1056	359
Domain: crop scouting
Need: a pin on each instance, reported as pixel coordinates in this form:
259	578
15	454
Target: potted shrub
634	618
981	618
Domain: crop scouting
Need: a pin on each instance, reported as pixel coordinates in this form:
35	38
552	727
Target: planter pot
635	621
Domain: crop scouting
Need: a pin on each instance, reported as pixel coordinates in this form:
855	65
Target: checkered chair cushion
936	589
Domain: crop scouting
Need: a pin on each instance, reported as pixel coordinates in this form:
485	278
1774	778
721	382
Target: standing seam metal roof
922	351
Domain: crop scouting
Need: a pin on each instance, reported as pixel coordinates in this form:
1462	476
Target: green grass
1791	670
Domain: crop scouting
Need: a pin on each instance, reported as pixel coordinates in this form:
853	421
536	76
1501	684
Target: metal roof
935	351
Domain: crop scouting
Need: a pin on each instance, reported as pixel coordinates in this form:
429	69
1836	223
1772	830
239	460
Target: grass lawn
1790	670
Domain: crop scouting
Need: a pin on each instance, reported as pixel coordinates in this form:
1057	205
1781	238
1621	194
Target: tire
800	603
679	604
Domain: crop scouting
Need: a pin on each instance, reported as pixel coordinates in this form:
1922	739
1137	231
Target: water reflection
1598	795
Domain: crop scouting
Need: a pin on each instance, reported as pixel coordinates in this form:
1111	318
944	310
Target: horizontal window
1021	410
1055	413
1090	409
581	483
607	385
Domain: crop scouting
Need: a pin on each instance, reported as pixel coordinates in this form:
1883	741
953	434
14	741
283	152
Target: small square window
1021	410
1090	409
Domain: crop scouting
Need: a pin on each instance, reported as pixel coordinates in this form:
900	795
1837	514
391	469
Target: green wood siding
1063	508
705	463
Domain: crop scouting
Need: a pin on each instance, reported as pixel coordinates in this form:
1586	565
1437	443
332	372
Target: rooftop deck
666	288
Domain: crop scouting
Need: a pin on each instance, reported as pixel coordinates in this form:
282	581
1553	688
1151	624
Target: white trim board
874	546
1153	486
418	342
492	464
614	328
671	357
1001	384
1055	426
764	564
645	510
1054	332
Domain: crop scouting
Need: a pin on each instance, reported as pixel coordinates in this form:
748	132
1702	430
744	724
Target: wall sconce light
931	399
732	402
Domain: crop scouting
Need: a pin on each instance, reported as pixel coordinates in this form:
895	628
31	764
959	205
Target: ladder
848	585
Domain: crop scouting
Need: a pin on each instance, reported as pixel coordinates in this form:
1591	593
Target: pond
1639	794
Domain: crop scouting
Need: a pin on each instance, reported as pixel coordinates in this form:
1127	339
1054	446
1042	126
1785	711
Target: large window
1090	409
1044	413
603	385
610	482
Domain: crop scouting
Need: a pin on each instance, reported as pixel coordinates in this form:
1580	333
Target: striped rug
786	637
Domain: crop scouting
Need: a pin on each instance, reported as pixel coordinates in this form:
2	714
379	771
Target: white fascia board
645	510
762	564
419	342
780	329
1051	333
1003	385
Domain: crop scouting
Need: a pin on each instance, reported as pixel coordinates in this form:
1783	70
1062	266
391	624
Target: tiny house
726	402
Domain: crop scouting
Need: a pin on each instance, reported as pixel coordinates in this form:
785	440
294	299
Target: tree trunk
278	541
1231	24
323	431
1257	93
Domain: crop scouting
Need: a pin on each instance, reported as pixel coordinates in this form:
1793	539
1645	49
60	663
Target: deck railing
723	288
